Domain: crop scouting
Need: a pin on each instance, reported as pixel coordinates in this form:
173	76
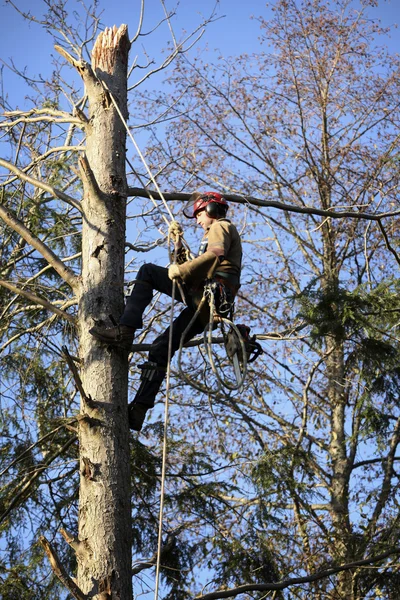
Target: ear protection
215	210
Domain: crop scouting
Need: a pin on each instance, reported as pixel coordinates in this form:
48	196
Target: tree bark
335	381
104	556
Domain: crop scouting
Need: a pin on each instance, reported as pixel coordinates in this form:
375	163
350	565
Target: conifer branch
38	300
152	561
23	487
41	185
281	585
12	221
31	447
33	329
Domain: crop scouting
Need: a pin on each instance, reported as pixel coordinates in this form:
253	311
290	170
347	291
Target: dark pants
149	278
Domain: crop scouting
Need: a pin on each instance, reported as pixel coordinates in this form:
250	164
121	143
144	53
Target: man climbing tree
220	257
291	480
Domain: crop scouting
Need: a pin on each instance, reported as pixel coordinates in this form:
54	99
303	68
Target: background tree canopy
271	488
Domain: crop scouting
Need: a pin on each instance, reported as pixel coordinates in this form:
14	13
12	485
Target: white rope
152	178
165	440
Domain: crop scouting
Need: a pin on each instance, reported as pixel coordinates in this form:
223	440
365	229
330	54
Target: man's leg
149	278
153	372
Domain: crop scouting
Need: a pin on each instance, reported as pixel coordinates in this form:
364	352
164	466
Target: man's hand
173	272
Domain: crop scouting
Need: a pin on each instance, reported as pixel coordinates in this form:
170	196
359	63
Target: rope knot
175	231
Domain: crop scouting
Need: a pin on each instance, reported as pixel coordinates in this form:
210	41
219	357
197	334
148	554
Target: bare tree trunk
104	552
339	486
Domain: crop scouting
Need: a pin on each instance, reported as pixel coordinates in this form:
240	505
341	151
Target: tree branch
198	341
76	376
373	461
87	175
41	185
60	571
183	196
11	220
388	245
78	546
281	585
47	116
38	300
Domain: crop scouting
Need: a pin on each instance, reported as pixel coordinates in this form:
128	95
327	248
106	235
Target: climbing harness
227	361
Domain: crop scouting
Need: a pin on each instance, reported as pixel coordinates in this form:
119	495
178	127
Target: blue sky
234	32
28	45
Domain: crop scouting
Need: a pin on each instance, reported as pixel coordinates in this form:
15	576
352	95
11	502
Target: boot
121	335
137	414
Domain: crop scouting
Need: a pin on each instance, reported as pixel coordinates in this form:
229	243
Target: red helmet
215	205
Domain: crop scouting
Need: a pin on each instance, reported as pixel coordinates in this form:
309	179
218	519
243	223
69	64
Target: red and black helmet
212	202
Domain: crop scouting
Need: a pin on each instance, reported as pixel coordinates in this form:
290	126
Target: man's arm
196	270
204	266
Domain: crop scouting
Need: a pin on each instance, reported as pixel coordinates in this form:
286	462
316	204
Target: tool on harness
252	347
223	299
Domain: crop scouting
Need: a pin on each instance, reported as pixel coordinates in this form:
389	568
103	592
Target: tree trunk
339	485
104	552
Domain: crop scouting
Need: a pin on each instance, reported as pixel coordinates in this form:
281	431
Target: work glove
173	272
175	232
